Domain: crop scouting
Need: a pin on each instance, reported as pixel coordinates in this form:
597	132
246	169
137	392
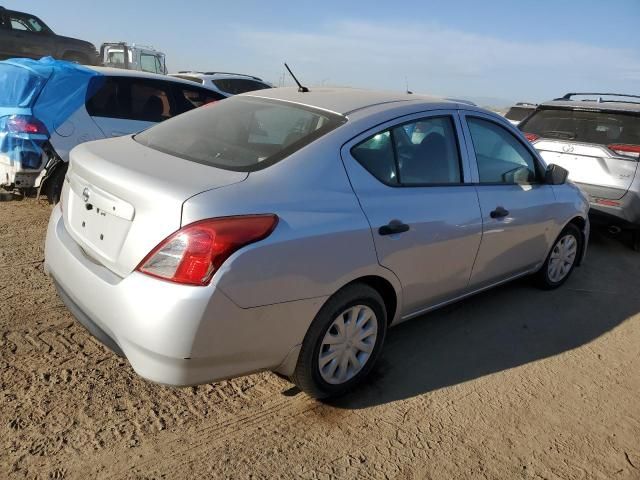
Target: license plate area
99	219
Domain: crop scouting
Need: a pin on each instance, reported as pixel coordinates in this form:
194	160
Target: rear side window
240	133
188	98
500	156
420	153
236	86
131	99
602	128
151	101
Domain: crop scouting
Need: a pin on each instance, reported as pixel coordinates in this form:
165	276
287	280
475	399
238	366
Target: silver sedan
287	231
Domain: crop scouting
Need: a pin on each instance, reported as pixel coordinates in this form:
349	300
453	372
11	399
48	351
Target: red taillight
608	203
25	124
632	151
531	136
193	254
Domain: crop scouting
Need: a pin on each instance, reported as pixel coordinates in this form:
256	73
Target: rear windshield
602	128
240	133
518	114
19	86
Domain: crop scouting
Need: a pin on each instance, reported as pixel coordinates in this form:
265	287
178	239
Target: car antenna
300	87
406	82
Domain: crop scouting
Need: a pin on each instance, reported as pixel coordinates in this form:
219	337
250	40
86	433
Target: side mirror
555	175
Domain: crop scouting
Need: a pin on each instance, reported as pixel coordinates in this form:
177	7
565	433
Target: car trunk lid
121	198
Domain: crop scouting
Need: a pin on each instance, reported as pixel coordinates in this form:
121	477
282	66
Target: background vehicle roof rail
600	94
222	73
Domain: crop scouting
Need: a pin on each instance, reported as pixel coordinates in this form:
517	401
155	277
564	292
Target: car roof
212	75
344	101
122	72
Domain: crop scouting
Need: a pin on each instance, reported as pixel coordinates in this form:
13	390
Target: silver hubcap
348	344
562	257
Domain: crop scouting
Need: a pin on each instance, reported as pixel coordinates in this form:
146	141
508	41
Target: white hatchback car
224	82
47	107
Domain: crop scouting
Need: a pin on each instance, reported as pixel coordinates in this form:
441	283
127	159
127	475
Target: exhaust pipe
614	230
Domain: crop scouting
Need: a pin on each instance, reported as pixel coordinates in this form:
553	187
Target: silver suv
596	136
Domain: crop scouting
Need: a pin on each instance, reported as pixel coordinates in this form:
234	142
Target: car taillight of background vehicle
24	124
195	252
532	137
632	151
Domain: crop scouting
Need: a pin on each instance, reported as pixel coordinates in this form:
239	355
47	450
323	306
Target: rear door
517	206
584	142
413	183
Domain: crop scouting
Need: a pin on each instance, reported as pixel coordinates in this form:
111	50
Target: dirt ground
513	383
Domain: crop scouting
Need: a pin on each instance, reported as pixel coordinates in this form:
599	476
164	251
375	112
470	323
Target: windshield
602	128
240	133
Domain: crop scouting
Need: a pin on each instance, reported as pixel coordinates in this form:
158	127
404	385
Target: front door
410	177
517	206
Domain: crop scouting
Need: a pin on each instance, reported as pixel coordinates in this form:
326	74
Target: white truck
133	57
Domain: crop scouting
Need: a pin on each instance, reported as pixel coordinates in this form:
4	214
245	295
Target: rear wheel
562	258
343	343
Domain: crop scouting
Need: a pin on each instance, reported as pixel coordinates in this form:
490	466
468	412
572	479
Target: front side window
240	133
418	153
26	23
500	156
149	63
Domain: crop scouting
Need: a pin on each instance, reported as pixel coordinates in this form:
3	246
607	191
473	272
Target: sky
492	51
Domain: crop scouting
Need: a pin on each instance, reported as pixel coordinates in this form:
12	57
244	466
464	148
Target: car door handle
394	226
499	212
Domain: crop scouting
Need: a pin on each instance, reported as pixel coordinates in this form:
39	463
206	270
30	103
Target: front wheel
343	343
562	258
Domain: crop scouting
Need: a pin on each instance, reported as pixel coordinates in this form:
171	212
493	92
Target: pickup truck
25	35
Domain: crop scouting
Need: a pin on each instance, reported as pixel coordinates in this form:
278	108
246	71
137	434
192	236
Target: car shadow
504	328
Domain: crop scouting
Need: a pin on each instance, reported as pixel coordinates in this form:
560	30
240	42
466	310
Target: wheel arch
390	294
582	224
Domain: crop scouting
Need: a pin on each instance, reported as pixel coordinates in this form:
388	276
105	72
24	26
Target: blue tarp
54	89
45	91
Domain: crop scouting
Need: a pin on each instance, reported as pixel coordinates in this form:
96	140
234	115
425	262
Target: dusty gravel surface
514	383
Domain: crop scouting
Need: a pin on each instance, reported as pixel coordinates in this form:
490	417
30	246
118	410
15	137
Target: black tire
307	373
543	276
54	183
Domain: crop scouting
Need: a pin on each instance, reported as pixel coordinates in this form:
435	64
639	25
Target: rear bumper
626	211
172	334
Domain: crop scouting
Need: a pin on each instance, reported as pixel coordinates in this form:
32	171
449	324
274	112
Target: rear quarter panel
322	241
